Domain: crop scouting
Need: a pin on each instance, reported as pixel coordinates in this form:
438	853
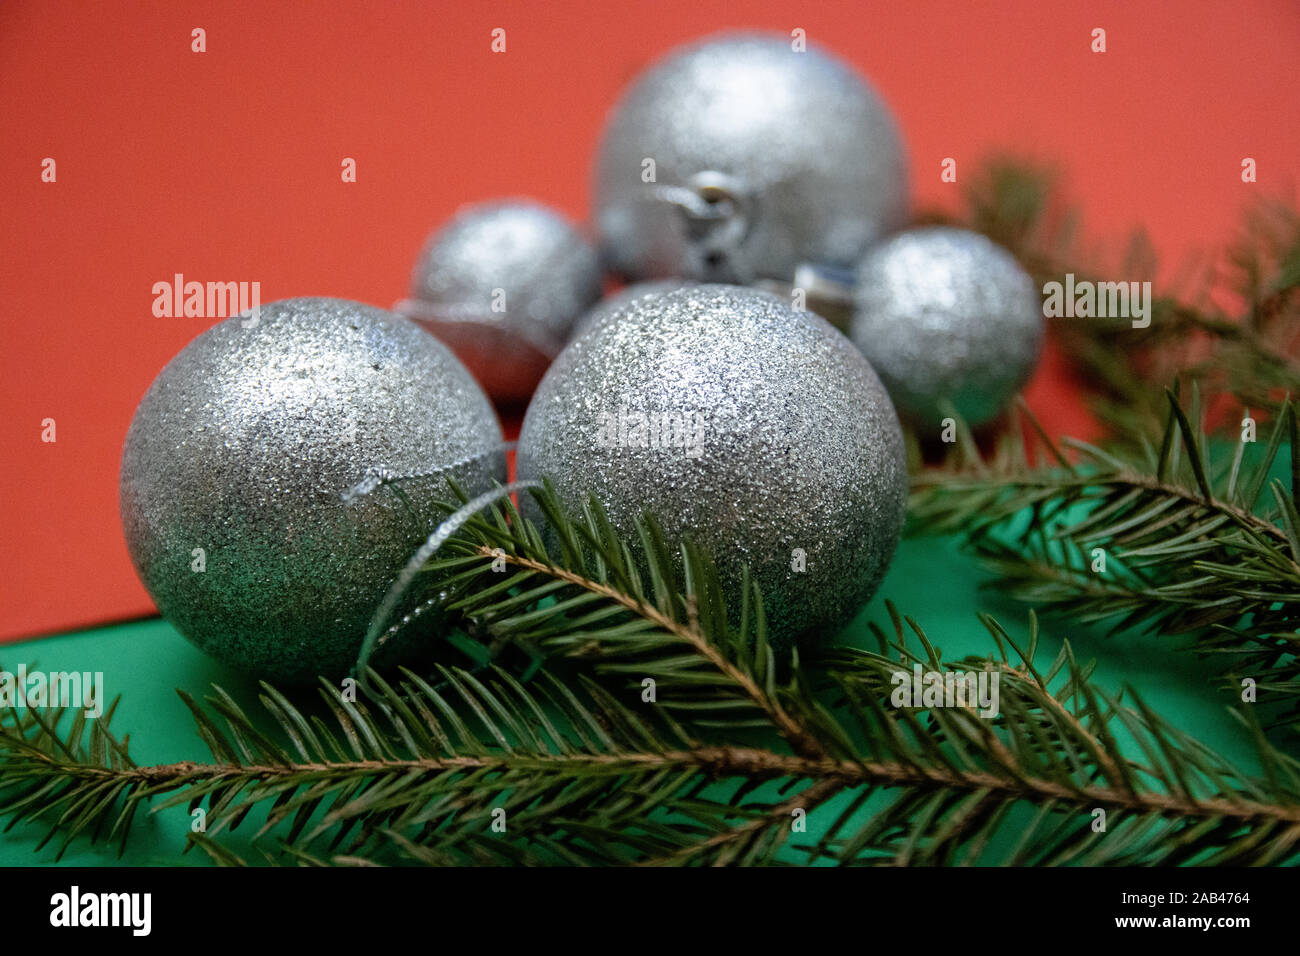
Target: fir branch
689	634
628	612
580	778
1191	543
584	771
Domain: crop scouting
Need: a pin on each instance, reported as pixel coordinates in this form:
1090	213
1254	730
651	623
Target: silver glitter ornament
756	429
944	313
502	284
236	464
622	297
739	158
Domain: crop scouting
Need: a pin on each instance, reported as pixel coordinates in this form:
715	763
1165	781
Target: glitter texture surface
243	446
623	297
765	434
548	272
812	149
943	313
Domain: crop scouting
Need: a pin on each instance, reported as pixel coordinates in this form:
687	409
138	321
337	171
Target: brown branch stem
720	762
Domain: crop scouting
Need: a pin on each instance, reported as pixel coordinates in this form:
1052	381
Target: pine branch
1168	539
626	612
580	778
688	634
586	771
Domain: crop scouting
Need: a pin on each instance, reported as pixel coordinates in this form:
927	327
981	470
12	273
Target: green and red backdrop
225	166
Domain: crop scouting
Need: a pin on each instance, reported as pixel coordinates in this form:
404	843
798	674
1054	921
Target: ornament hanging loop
717	215
379	633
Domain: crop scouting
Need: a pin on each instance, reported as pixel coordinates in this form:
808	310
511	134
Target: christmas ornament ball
944	313
742	156
730	417
622	297
237	460
503	284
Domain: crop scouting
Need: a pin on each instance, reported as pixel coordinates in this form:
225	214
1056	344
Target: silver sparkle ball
238	458
616	302
944	313
740	157
756	429
503	284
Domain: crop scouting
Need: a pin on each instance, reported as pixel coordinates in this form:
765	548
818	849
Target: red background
225	166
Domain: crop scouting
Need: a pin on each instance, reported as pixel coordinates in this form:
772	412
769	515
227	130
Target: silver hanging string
399	587
379	476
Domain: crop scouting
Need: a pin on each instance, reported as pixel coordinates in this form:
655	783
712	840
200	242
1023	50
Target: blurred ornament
237	464
502	285
755	429
944	314
740	158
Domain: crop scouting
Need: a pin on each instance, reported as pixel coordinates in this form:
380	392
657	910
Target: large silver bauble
755	429
237	460
947	314
616	302
762	157
503	284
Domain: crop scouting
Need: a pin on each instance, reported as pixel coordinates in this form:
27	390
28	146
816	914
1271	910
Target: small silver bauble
502	284
755	429
742	156
238	458
947	314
